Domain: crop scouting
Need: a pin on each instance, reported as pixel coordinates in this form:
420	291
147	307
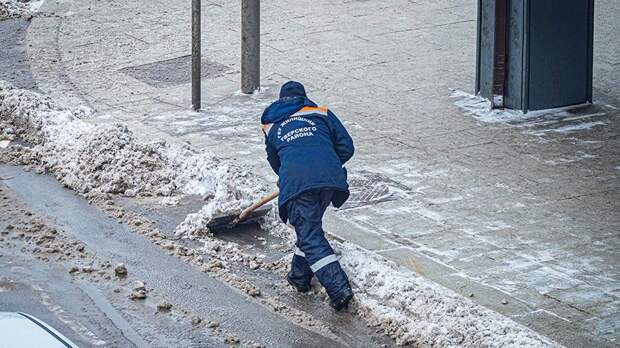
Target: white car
21	330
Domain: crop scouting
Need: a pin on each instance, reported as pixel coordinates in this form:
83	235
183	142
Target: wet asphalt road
169	275
89	312
236	312
43	291
14	66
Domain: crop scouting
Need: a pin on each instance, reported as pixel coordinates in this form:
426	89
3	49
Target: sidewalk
522	216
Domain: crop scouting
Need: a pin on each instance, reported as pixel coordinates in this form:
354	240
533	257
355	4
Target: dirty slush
99	161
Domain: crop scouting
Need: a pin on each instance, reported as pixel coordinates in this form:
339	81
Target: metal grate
371	188
173	72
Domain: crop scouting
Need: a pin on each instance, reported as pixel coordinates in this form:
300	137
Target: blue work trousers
313	254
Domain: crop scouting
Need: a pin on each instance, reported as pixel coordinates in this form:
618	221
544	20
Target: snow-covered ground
18	8
537	123
91	158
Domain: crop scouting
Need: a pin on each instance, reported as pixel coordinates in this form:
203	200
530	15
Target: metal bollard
196	55
250	45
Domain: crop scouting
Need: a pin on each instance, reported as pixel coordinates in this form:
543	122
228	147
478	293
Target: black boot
300	287
336	284
300	274
342	301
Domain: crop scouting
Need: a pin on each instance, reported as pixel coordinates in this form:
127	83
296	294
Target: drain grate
369	188
173	72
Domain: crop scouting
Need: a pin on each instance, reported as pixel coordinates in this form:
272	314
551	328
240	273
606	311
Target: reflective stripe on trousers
320	263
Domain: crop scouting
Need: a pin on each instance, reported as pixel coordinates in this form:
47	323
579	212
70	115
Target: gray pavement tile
496	261
566	333
450	245
419	263
363	235
486	295
584	297
510	239
564	311
607	284
546	280
397	216
605	324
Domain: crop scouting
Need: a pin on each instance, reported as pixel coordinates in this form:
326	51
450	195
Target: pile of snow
231	188
539	123
91	158
18	8
481	109
416	311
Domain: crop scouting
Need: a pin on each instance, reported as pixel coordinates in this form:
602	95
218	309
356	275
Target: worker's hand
264	128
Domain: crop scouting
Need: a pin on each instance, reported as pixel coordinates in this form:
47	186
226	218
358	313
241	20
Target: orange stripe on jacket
312	108
267	127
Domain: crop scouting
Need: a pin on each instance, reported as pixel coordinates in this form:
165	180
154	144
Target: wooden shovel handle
257	205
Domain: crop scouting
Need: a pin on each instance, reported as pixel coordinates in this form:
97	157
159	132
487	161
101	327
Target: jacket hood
292	89
292	99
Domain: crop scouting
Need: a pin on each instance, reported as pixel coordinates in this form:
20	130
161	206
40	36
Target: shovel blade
228	221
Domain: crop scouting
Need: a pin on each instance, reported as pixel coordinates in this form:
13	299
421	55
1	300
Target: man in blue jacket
307	147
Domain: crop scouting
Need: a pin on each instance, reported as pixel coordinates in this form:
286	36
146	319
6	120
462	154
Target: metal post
196	55
478	48
250	45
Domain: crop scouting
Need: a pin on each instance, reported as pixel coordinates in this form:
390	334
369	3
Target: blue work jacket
307	146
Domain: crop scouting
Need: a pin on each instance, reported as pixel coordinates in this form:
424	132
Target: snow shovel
248	215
